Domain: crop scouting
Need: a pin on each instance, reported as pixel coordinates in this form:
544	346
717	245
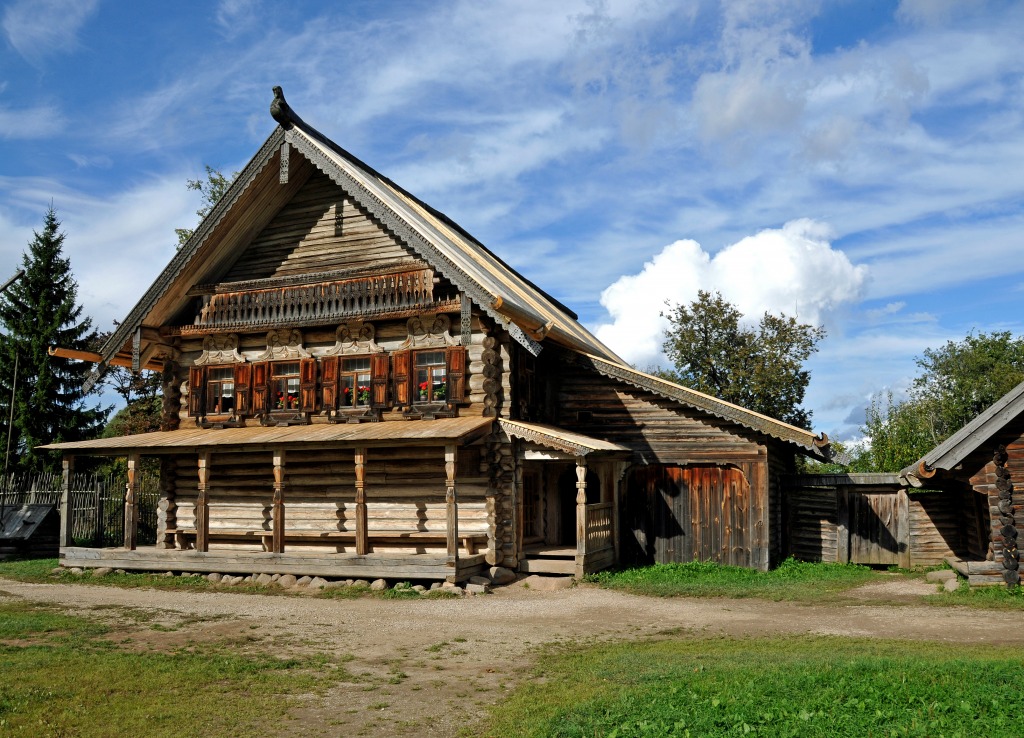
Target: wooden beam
451	512
362	538
68	468
131	505
277	545
203	504
903	528
843	525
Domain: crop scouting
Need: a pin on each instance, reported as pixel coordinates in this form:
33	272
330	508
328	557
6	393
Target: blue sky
859	163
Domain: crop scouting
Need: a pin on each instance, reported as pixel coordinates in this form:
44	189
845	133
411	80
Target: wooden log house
980	470
354	386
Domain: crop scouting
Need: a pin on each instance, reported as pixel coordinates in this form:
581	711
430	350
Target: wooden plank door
874	528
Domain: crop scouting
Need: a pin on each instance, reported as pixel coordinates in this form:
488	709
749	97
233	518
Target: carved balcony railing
398	293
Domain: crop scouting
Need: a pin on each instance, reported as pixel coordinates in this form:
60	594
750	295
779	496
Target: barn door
673	514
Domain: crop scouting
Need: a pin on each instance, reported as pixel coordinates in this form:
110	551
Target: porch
378	500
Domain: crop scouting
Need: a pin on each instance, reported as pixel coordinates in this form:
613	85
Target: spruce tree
38	311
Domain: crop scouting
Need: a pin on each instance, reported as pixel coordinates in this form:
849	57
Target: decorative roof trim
818	445
558	439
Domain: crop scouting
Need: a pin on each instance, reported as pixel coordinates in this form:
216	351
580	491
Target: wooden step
548	566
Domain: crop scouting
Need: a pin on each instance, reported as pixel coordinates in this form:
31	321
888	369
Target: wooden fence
97	504
869	519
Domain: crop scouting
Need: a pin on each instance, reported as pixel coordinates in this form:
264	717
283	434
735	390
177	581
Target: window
354	382
220	390
431	376
284	385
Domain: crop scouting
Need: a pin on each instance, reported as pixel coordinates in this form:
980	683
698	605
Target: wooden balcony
395	294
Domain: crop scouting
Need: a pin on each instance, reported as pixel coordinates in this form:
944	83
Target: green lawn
807	686
792	580
64	676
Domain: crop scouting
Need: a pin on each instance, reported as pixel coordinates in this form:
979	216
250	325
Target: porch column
203	504
277	513
131	504
581	513
452	513
362	537
68	468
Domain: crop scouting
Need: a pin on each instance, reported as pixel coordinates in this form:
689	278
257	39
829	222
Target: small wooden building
355	386
981	467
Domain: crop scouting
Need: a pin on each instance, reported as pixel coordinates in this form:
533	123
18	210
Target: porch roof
437	432
562	440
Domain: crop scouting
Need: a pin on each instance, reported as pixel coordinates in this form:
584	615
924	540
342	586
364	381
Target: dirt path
430	667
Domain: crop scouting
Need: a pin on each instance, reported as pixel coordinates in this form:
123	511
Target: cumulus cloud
792	270
38	28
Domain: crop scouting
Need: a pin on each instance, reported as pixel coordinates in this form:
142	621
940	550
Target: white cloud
792	270
41	121
40	28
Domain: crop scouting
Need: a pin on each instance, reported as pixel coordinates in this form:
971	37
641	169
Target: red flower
424	386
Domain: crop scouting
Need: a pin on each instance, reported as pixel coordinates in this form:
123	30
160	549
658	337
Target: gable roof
527	312
948	454
518	305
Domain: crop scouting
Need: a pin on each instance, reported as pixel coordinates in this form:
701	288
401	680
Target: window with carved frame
220	390
354	382
431	376
284	385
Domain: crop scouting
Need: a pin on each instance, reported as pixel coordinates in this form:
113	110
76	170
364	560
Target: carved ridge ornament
284	344
354	337
429	331
220	350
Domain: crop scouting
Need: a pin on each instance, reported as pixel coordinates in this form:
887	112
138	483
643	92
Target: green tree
957	382
760	368
38	311
212	189
141	392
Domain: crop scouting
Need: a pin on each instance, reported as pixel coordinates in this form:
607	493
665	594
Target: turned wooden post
277	545
203	504
581	514
452	512
131	504
362	537
68	468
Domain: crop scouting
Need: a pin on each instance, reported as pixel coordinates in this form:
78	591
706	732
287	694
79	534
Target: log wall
319	230
405	491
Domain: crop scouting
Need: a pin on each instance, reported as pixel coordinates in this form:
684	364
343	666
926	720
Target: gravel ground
430	667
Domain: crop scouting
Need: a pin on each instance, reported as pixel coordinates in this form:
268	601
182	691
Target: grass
806	686
792	580
63	675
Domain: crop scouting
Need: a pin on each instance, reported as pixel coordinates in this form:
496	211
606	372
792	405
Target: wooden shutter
329	382
243	388
379	364
307	385
455	358
196	391
403	377
260	376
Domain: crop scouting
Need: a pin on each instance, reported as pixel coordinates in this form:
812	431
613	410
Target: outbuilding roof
951	452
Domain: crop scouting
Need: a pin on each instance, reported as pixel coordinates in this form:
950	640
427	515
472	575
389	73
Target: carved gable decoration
354	337
284	344
220	350
429	331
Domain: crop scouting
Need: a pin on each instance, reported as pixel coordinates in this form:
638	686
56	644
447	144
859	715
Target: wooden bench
469	541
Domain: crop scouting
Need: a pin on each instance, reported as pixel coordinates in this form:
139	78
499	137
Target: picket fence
97	503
